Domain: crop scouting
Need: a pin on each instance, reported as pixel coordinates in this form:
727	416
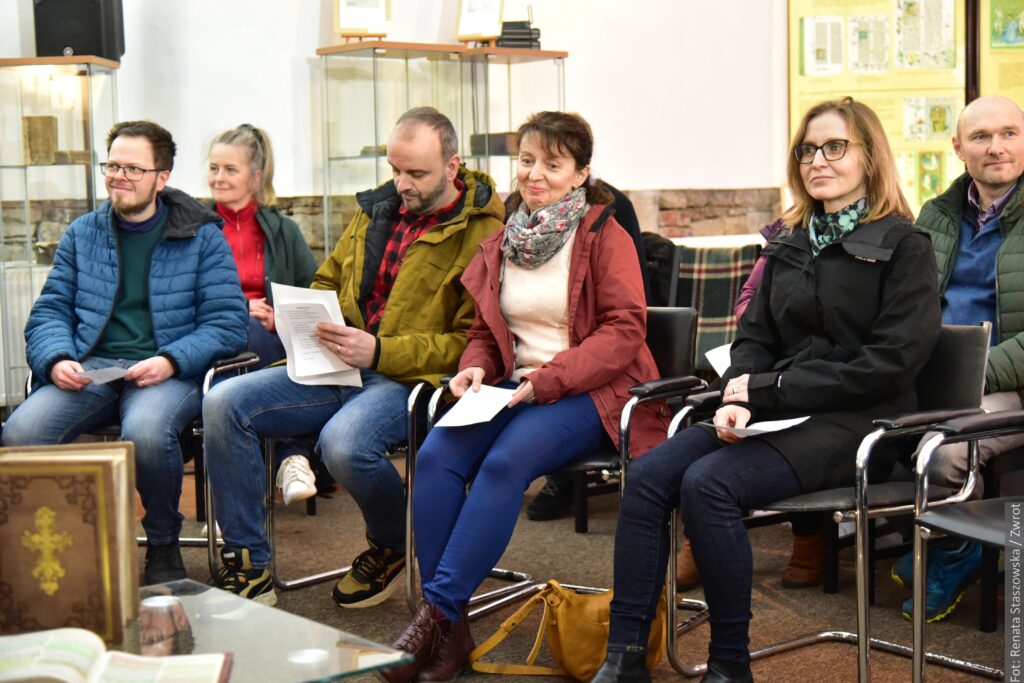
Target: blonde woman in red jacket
560	318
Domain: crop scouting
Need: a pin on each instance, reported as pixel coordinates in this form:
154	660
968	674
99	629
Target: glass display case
487	93
55	113
365	88
504	86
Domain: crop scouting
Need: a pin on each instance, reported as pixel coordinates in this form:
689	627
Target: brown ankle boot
450	656
421	638
687	574
807	563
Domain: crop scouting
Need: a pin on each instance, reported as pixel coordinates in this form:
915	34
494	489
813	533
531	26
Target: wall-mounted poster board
903	58
1001	48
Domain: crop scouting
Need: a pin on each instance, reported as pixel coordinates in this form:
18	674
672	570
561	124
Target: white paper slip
104	375
765	427
719	358
297	311
476	406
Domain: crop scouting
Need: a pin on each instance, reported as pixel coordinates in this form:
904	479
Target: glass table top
267	644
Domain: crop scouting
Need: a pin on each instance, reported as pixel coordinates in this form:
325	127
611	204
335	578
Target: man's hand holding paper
354	347
298	315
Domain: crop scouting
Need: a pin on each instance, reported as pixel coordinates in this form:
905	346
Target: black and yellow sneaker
373	577
238	576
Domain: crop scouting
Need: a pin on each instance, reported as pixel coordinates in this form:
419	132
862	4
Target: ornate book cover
68	552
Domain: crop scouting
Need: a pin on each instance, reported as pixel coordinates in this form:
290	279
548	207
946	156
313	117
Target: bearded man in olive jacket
977	231
396	271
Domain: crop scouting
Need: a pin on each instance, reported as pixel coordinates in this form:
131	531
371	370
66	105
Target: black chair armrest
667	387
242	360
982	423
923	418
706	401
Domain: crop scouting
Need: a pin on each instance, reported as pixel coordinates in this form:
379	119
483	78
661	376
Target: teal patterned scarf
531	239
826	228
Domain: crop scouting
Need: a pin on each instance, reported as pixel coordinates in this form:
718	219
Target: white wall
681	94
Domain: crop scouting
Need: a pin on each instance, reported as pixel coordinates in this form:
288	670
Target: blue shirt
970	296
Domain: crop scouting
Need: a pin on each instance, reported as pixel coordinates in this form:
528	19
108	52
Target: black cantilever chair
981	521
671	336
950	385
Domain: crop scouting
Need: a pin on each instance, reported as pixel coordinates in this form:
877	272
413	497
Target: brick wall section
672	213
692	213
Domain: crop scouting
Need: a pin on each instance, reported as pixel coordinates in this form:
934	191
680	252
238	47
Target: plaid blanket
709	279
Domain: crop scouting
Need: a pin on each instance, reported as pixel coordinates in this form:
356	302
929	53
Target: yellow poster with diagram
903	58
1001	48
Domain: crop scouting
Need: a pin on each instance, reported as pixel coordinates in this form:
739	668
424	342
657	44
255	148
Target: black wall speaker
79	27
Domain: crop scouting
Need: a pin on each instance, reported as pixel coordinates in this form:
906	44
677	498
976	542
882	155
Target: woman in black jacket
845	318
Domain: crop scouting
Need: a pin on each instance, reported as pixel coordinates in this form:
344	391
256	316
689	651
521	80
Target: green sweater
129	331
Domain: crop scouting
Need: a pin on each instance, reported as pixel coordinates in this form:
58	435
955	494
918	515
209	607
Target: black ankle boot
623	667
721	671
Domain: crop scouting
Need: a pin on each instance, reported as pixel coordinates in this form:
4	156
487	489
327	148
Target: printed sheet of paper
476	406
764	427
719	358
104	375
296	313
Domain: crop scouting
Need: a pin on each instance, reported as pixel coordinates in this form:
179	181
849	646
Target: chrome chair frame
915	424
970	429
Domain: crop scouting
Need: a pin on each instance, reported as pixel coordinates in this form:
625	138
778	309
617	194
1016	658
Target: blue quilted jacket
199	312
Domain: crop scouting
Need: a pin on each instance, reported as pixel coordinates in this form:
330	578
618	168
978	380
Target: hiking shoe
950	572
238	576
372	579
902	573
163	564
295	479
553	502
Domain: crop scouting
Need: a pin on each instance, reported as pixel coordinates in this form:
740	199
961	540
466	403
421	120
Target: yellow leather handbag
576	625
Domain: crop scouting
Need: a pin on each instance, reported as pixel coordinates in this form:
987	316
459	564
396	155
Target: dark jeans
712	484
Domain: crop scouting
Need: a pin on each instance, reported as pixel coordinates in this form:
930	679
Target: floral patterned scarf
531	239
826	228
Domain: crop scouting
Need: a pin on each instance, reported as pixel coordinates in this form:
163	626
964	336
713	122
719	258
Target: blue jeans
712	484
151	417
357	427
460	536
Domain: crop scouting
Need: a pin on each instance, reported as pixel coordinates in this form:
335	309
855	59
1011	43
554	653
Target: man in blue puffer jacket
145	283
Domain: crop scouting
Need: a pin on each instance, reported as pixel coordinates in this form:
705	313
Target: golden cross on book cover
69	554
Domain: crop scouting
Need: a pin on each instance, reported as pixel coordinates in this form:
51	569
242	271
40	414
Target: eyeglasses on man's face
833	150
110	169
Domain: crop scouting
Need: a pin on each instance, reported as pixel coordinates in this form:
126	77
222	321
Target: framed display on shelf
903	58
362	17
479	19
1001	48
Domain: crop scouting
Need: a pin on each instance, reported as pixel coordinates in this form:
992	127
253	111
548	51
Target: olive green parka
423	330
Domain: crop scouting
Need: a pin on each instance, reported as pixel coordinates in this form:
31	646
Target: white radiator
22	283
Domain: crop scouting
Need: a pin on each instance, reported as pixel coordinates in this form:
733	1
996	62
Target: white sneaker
206	528
295	479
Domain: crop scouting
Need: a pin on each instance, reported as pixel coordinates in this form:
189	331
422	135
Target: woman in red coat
561	320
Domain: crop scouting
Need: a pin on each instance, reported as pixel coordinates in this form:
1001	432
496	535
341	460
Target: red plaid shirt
405	229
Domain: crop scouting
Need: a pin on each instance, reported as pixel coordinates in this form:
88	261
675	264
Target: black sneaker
553	502
163	564
238	576
372	579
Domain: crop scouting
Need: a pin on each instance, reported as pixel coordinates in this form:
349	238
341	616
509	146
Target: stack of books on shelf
519	34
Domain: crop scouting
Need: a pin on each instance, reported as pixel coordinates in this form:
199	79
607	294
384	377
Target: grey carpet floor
552	550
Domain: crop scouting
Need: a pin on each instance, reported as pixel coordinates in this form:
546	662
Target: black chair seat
879	495
980	520
592	461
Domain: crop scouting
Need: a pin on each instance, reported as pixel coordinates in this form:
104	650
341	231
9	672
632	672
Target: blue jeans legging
711	484
460	535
